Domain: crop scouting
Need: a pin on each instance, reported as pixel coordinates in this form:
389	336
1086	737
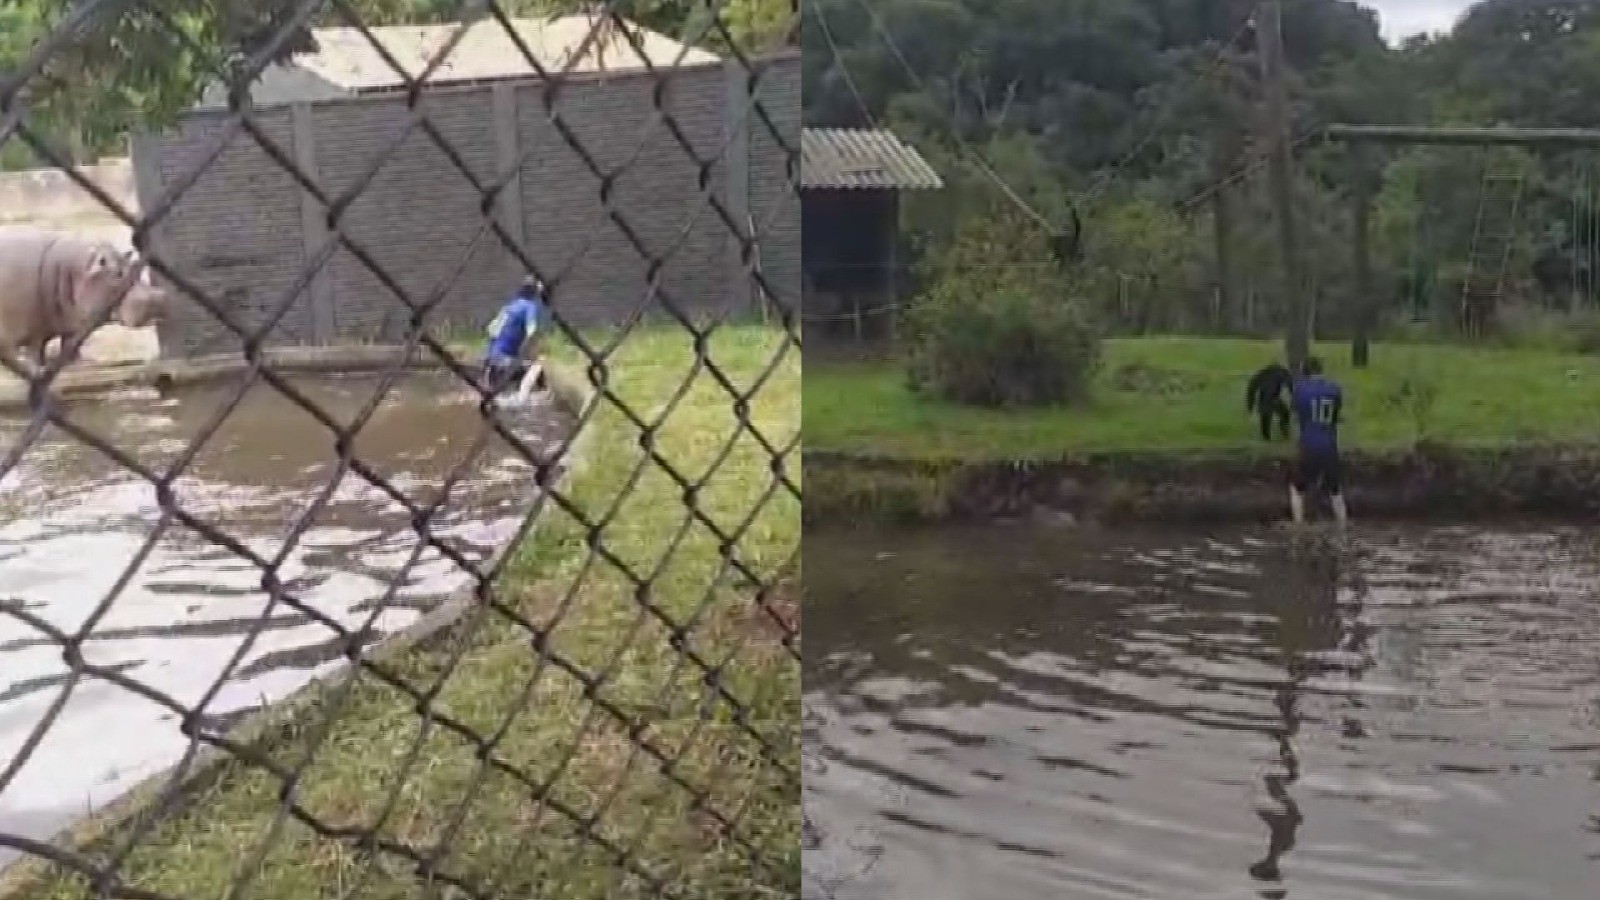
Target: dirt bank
1425	483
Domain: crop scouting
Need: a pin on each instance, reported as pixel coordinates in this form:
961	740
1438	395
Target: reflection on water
194	620
1014	713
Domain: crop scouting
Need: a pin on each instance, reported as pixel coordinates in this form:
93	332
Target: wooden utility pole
1222	225
1228	146
1366	302
1269	36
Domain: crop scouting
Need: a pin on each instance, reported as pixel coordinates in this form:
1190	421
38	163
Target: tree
758	26
1530	62
1144	265
998	325
126	66
118	66
1143	105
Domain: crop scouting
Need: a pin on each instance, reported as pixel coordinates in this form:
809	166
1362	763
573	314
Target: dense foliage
1145	115
996	327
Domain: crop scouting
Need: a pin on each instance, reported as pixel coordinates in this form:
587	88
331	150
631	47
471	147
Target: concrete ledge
89	381
49	195
269	726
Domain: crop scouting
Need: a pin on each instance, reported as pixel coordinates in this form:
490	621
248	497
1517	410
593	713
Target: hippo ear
101	262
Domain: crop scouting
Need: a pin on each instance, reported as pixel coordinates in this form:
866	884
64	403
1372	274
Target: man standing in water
1318	403
511	329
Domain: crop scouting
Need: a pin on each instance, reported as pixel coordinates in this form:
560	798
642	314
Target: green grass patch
383	769
1187	394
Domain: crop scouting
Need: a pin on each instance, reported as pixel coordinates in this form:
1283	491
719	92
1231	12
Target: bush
1415	396
999	325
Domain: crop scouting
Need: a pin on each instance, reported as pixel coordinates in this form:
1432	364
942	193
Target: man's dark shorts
501	375
1316	468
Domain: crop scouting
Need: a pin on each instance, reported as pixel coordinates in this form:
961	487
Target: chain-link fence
309	586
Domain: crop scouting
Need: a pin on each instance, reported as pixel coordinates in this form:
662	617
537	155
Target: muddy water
1019	714
72	522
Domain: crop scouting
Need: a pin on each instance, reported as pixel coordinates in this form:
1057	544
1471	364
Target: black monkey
1264	396
1066	244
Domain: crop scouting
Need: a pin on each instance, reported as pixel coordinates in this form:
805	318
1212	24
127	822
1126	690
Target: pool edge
91	381
176	784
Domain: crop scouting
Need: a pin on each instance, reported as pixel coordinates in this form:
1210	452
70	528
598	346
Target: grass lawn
383	768
1176	394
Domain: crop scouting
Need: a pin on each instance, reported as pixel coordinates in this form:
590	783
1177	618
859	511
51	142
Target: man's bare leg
1297	506
530	382
38	355
1341	514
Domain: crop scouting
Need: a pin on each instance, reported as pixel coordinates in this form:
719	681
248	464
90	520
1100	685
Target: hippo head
99	281
108	275
143	306
145	303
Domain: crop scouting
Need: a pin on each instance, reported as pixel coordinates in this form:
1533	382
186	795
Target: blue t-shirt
518	319
1317	404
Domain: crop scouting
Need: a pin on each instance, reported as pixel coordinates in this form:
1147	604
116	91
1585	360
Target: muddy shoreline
1424	484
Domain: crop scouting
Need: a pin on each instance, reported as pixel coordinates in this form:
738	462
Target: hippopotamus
55	285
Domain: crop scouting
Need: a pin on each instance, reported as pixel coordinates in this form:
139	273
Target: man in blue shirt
510	331
1318	402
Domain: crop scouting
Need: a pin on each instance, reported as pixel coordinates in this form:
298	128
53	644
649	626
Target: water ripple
74	521
1008	713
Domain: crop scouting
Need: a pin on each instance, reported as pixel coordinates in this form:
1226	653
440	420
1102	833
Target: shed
851	179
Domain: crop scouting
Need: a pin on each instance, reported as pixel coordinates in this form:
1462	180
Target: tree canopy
1145	114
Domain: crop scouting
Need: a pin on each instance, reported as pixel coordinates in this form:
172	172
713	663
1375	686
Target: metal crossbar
1464	136
597	702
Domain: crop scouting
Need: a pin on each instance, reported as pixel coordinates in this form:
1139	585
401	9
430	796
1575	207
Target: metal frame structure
1364	137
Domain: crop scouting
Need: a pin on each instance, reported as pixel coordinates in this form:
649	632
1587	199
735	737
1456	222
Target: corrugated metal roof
277	84
862	158
348	59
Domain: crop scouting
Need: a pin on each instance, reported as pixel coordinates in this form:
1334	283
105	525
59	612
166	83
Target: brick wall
235	233
246	231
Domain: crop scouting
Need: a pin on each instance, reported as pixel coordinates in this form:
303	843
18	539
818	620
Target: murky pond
194	613
1016	713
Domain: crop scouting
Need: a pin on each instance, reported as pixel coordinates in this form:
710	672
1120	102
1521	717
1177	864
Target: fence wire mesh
289	631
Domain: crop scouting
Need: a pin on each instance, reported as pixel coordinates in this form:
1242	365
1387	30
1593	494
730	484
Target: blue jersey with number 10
1317	404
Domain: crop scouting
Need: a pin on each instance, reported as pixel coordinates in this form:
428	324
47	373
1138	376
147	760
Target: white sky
1403	18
